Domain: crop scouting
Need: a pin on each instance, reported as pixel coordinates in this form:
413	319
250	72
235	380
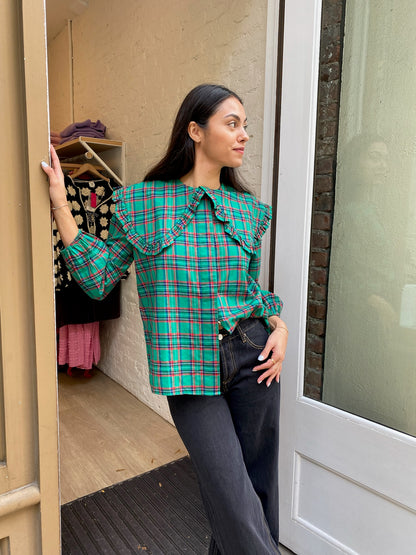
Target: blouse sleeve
272	302
97	265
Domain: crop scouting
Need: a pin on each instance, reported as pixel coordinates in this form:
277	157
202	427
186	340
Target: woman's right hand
65	222
57	190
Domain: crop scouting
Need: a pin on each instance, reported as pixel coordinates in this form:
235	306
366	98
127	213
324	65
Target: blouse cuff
83	247
273	304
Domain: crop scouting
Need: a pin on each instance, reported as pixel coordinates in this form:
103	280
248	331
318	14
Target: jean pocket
255	335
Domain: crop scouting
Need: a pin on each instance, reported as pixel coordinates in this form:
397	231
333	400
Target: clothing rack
76	165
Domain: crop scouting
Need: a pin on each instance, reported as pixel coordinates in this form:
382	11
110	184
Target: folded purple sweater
85	128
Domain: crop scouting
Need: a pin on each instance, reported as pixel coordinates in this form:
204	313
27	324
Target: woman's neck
198	177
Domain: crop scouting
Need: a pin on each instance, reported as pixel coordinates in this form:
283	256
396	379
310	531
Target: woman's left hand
275	348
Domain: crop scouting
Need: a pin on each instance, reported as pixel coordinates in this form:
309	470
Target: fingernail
260	357
268	385
44	164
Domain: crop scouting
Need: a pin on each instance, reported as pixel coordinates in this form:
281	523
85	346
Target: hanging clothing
79	345
92	205
197	259
77	315
74	306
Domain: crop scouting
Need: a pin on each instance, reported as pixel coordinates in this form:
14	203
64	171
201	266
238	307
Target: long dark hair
199	105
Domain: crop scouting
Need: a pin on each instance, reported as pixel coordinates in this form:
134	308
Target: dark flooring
159	513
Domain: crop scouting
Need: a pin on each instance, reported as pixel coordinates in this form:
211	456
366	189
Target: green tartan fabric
197	259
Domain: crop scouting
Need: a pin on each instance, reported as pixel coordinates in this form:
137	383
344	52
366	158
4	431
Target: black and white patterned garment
91	204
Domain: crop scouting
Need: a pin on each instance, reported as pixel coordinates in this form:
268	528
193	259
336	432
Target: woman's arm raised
65	222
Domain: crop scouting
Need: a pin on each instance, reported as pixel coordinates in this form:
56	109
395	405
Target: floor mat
158	513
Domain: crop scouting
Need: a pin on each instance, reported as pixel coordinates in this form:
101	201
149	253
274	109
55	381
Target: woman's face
374	164
221	143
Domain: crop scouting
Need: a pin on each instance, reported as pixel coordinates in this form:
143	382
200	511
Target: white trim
71	70
269	123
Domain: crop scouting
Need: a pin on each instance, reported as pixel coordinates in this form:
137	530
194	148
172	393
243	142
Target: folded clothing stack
55	138
85	128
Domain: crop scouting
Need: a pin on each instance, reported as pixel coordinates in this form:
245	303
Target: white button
220	336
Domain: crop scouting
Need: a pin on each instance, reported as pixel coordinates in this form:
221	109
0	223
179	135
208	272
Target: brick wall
332	30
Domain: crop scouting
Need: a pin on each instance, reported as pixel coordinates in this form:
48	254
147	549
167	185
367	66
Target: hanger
88	168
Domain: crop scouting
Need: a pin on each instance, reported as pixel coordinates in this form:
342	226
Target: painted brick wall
133	64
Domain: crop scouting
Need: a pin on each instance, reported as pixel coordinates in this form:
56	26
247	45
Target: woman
194	234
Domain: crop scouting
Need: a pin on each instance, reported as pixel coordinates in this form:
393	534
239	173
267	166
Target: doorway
105	63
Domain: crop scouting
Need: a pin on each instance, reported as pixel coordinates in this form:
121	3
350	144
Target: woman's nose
244	135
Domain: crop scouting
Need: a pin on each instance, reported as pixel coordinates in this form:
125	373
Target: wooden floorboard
107	436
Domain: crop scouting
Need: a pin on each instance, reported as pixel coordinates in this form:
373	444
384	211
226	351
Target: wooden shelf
75	147
109	154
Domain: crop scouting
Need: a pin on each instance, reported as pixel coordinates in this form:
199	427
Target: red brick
324	166
330	53
314	360
313	378
318	275
331	12
326	147
324	184
320	239
321	221
315	344
324	202
327	130
317	292
328	111
316	327
319	259
312	392
329	92
330	72
316	309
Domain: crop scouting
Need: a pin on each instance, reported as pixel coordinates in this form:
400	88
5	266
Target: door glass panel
368	341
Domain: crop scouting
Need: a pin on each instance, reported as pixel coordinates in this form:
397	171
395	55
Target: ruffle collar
153	214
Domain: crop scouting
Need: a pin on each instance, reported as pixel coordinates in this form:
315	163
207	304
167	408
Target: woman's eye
232	124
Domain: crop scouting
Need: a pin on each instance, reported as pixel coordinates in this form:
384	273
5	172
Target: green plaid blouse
197	259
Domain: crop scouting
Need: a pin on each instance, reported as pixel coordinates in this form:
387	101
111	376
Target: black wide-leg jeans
233	441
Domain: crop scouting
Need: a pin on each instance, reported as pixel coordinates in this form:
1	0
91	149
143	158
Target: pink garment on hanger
79	345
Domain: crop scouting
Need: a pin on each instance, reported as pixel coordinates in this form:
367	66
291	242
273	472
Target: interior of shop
117	74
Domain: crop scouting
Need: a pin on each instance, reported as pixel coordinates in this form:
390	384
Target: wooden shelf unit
108	153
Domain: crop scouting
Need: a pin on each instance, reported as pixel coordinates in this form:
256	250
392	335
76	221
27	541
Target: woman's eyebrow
235	116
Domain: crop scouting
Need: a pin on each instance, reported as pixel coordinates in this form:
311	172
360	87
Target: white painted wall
133	64
59	81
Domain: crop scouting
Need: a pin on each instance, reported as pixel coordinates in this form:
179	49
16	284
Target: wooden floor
106	436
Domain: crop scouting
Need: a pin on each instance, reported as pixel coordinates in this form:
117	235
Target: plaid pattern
197	258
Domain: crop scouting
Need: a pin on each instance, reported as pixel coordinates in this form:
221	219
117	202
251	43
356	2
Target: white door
348	462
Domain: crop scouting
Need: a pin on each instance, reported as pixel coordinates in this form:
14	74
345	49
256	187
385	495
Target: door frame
29	499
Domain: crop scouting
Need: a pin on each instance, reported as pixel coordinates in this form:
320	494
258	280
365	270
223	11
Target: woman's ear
194	131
